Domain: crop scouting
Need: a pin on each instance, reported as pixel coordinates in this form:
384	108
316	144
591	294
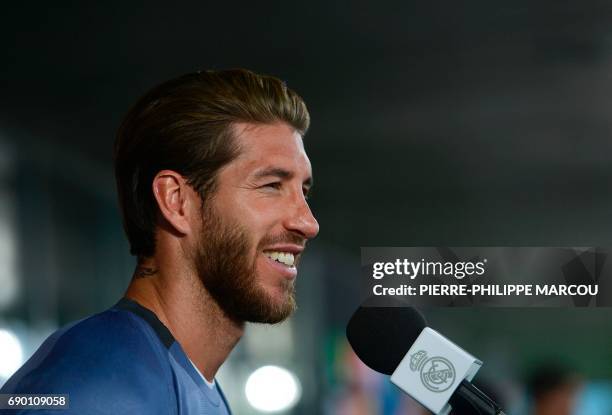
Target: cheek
261	210
259	218
258	215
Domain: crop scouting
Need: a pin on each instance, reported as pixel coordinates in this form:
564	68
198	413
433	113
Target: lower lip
288	272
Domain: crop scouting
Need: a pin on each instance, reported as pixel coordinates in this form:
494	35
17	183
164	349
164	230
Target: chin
279	296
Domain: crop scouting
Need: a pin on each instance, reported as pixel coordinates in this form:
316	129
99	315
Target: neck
177	297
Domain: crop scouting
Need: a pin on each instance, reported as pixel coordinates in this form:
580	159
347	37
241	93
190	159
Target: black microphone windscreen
381	336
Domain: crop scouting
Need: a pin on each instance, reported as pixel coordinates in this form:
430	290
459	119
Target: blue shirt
121	361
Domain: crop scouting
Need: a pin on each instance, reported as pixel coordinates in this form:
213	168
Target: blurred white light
11	354
272	389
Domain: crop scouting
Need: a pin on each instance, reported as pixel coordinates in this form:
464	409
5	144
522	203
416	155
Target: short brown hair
185	125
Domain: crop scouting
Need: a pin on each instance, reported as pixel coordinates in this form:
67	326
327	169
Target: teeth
286	258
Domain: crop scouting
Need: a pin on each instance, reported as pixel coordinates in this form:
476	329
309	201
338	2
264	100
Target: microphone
421	362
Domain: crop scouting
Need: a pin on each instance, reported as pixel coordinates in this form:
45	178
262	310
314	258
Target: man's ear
176	200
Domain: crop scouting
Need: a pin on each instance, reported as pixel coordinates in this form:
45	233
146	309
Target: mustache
285	237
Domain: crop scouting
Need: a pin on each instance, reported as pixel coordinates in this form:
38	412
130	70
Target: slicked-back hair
186	125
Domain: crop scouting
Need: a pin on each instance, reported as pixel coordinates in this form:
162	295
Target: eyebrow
281	174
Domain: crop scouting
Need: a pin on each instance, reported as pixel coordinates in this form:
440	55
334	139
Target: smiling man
213	180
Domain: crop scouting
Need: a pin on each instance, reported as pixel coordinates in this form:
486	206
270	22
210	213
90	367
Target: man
212	179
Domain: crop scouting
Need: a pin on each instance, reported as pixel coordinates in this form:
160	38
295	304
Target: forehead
271	145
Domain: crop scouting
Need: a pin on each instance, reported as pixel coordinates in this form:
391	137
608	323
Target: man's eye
273	185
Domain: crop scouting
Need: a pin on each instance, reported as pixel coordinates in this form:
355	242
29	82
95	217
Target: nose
302	220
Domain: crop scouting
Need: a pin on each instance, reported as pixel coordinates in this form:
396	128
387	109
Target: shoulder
107	363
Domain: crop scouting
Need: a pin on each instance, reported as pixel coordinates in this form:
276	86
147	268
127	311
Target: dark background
433	123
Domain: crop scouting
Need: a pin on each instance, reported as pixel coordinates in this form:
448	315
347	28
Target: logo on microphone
437	373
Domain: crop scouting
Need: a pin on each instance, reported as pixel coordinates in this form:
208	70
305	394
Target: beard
229	275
